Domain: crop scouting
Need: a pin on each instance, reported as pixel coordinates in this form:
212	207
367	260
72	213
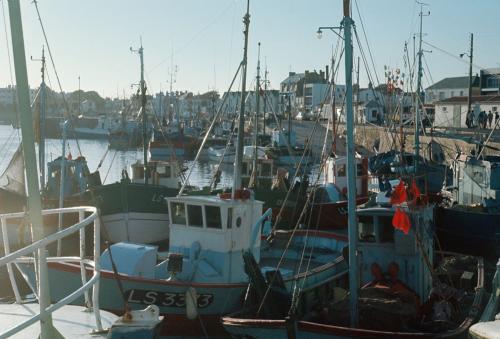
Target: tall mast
144	117
265	98
334	110
41	123
34	200
418	97
142	86
238	162
256	123
351	170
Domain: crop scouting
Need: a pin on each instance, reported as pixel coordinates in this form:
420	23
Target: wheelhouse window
359	170
386	229
341	170
195	215
164	171
265	169
366	229
229	218
178	213
214	219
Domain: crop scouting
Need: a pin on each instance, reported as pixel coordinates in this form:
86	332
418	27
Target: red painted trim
319	328
74	268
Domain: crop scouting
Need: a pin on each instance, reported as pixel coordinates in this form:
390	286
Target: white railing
19	257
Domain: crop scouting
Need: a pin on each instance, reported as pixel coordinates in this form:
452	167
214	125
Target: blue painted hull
214	299
469	232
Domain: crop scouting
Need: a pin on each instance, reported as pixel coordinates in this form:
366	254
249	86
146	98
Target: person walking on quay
497	116
490	118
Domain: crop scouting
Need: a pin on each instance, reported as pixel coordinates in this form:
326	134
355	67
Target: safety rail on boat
17	257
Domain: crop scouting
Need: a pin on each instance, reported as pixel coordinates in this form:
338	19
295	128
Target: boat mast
418	97
33	191
351	170
238	162
142	85
41	123
256	124
265	99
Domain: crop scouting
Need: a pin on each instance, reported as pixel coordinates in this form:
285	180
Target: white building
452	112
8	95
450	87
318	95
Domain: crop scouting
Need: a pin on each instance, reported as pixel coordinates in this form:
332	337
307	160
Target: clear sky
91	39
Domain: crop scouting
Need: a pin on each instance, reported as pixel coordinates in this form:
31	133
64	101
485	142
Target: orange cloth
401	221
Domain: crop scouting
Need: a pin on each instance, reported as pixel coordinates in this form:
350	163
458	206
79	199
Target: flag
399	195
401	221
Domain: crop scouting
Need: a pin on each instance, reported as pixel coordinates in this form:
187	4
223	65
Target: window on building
441	95
195	215
461	93
452	93
214	219
444	109
494	108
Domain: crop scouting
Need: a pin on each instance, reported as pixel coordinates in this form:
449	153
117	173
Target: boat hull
331	215
280	329
133	212
136	227
469	232
214	300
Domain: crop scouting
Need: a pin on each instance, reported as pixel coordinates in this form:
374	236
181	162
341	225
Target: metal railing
18	256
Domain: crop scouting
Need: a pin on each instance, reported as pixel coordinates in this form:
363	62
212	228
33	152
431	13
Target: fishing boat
134	211
468	221
392	269
214	244
328	209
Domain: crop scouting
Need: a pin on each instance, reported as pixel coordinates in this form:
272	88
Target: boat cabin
336	173
380	243
478	181
211	233
77	177
280	137
163	173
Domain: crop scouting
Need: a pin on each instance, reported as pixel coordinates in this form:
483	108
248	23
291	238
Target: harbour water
114	160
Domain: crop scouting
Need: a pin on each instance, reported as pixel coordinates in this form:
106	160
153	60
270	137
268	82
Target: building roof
455	82
293	78
475	98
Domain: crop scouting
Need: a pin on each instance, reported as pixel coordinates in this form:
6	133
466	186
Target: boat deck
70	321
